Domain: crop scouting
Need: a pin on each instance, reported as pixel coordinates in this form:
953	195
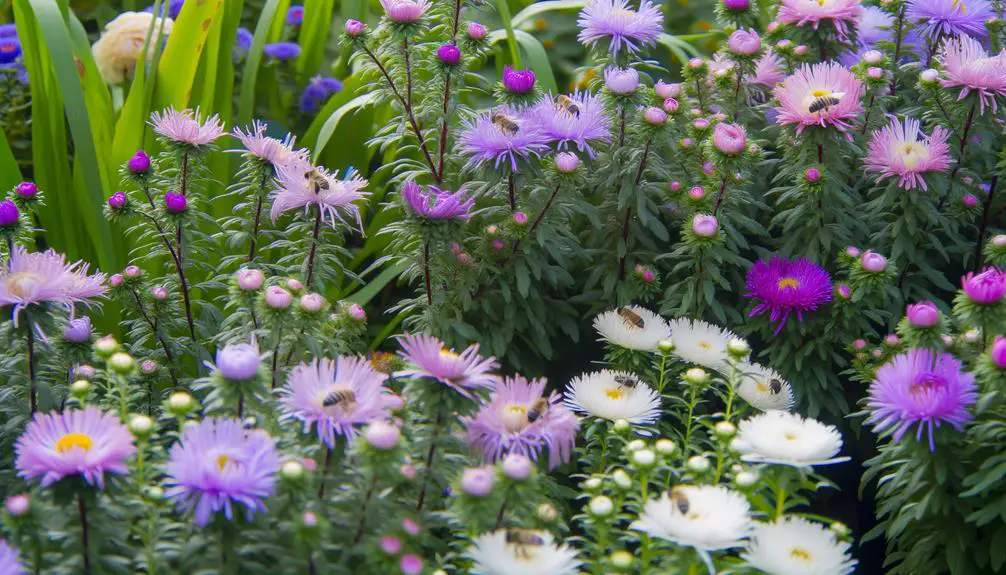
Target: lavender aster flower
78	330
625	28
317	92
502	136
353	391
621	80
45	277
218	464
874	26
295	14
10	564
302	185
518	419
921	387
282	50
966	64
781	286
578	120
437	204
942	18
462	372
186	127
265	148
75	442
405	11
238	362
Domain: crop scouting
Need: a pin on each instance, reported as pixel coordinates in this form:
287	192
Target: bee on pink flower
825	95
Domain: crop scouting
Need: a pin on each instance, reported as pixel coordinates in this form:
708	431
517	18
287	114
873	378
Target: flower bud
122	363
175	203
969	200
106	346
517	467
737	5
635	445
80	388
738	348
686	143
238	362
277	297
705	226
9	214
356	312
998	352
449	54
518	81
621	479
141	425
520	218
654	116
923	314
477	481
132	272
115	280
309	519
700	123
391	545
999	240
547	512
801	50
249	279
696	193
622	81
725	429
843	291
410	527
312	302
566	162
698	464
665	91
382	435
355	28
78	330
139	164
621	426
410	565
745	479
148	366
476	31
929	76
696	376
408	472
665	346
26	190
812	175
592	484
671	105
181	403
874	73
744	43
117	201
873	262
643	458
601	506
159	293
729	139
291	470
873	57
18	505
665	446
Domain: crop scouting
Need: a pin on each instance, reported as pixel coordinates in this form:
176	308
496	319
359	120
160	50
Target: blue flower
8	31
295	15
10	50
244	40
317	92
282	50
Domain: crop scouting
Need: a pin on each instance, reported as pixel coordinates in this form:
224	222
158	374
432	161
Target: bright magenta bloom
781	287
841	13
967	65
897	150
808	85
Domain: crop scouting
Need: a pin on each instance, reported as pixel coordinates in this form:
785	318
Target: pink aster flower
903	150
187	127
811	83
966	64
302	185
781	287
985	288
625	28
87	443
502	137
463	372
267	149
578	120
45	277
405	11
768	70
923	388
519	419
842	14
353	390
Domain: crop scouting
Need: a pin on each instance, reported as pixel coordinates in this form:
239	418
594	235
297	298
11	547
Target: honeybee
825	102
315	179
568	105
626	381
631	318
505	123
537	409
680	499
775	386
521	539
341	397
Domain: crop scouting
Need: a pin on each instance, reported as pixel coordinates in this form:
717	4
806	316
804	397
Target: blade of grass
504	11
10	173
314	35
177	68
246	99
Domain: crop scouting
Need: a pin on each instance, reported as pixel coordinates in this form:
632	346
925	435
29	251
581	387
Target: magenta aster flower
405	11
45	277
517	81
463	372
985	288
10	563
265	148
577	120
518	419
942	18
841	13
86	443
783	286
966	64
502	137
768	70
903	150
625	28
302	185
921	387
353	390
218	464
187	127
811	83
437	204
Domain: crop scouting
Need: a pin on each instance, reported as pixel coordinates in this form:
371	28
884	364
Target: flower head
518	81
613	395
123	41
317	92
744	42
632	327
78	330
943	18
265	148
987	287
502	137
898	150
967	65
625	28
788	439
295	14
405	11
923	314
437	204
763	388
492	554
576	119
768	70
841	13
243	39
730	139
519	418
622	81
701	343
187	127
795	546
238	361
85	442
826	84
302	185
713	518
282	50
45	277
781	287
218	464
10	50
335	396
923	388
10	564
463	372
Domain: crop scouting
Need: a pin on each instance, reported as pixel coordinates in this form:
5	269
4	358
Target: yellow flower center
820	92
23	284
800	554
614	394
790	436
761	387
222	461
74	441
912	154
705	345
513	416
448	354
788	283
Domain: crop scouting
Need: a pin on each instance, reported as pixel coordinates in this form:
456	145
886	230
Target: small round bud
998	352
999	240
80	388
391	545
309	519
355	28
410	565
476	31
77	330
929	76
812	174
382	435
356	312
725	429
181	403
873	262
547	512
410	527
106	346
700	123
566	162
971	336
745	479
698	464
654	116
122	363
449	54
621	479
291	470
686	143
843	291
141	425
674	186
738	348
801	50
249	279
874	73
665	446
148	366
175	203
705	226
117	201
517	467
665	346
873	57
132	272
696	193
277	297
312	302
621	559
969	200
116	280
923	314
26	190
892	339
139	164
159	293
592	484
294	284
696	376
635	445
644	458
671	105
601	506
859	344
18	505
621	426
408	471
665	91
520	218
477	481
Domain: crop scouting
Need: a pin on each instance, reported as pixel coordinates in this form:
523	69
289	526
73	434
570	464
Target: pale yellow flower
122	42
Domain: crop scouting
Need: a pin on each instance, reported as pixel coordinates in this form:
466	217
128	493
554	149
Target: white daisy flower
701	343
613	395
531	553
705	517
632	327
763	388
796	546
788	439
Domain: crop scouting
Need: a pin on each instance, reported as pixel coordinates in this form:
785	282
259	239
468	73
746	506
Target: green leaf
679	46
537	57
332	122
503	7
538	8
177	69
314	32
10	173
374	287
246	100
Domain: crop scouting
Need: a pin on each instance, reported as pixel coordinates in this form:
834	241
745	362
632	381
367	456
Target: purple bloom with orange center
187	127
808	86
968	66
85	442
518	418
781	287
922	388
45	277
942	18
577	119
625	28
843	14
335	397
502	137
302	185
437	204
219	464
902	150
463	372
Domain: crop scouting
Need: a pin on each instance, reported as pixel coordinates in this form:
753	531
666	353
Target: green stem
660	382
780	502
503	8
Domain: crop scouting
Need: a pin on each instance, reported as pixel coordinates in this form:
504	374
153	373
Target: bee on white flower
763	388
796	546
632	327
701	343
521	552
788	439
603	394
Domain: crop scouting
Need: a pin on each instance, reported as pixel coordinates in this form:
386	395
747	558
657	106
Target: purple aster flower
518	418
45	277
75	442
966	64
318	91
874	26
9	214
295	15
575	119
437	204
282	50
449	54
238	361
302	185
921	387
941	18
219	463
10	50
78	330
244	39
768	70
462	372
987	287
186	127
10	563
8	30
518	81
625	28
265	148
405	11
335	396
501	136
781	286
175	203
